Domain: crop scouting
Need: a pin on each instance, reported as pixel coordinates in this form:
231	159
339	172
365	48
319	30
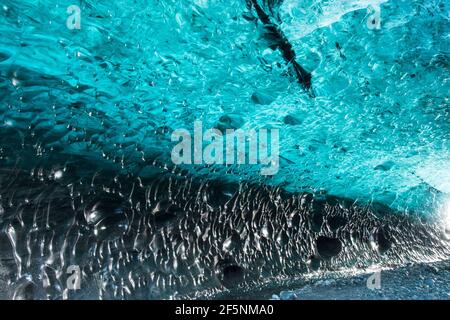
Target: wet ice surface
172	237
106	98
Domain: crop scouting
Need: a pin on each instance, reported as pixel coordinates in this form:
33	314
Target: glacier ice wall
76	104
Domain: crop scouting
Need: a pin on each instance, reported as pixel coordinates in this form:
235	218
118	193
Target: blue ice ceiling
113	91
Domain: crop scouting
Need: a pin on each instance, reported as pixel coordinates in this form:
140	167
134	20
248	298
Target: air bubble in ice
328	247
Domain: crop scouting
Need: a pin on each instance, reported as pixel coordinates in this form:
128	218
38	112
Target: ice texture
78	103
176	238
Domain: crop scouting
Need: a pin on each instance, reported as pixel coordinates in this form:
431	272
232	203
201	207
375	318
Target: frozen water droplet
58	174
107	205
